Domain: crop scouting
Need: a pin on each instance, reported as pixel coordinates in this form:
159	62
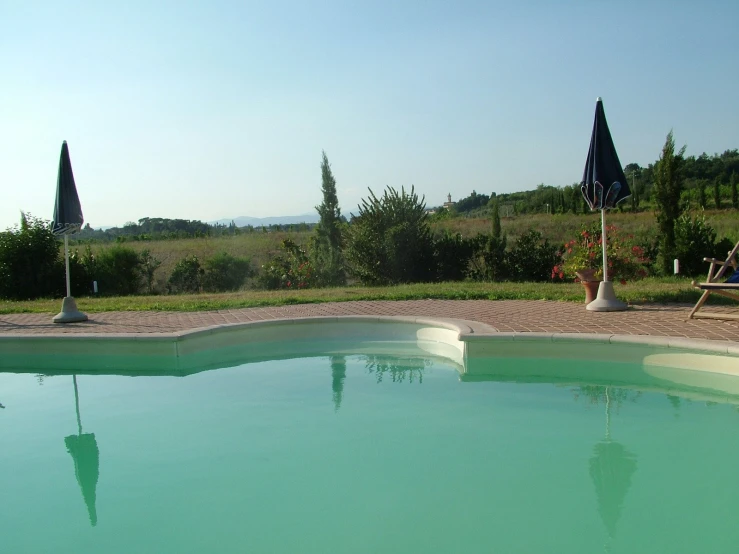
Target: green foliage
488	261
668	186
472	202
694	240
326	251
30	264
291	270
187	276
148	265
117	271
717	193
452	254
224	272
390	240
531	258
702	193
734	191
496	220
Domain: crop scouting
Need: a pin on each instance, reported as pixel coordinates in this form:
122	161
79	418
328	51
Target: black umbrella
67	219
603	186
84	450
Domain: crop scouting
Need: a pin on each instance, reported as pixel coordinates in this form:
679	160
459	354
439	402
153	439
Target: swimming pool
370	443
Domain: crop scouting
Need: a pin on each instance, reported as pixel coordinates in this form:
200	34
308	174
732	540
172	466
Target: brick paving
505	315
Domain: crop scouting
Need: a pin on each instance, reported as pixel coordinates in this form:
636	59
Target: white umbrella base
69	313
606	300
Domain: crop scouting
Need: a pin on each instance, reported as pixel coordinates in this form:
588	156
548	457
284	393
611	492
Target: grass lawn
651	290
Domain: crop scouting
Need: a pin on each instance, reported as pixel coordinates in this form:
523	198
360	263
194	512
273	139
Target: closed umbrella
67	219
84	450
603	186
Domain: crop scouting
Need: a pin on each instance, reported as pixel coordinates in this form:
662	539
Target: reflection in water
676	403
338	374
399	369
608	395
611	467
84	450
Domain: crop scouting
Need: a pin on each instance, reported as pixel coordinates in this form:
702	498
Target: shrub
117	271
81	266
694	240
531	258
293	270
186	277
30	264
489	258
452	254
148	265
224	272
390	241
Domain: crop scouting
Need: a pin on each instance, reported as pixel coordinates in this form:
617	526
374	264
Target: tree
702	193
734	191
668	186
390	240
496	220
717	193
328	259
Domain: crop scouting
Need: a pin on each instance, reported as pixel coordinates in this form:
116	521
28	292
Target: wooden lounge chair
714	284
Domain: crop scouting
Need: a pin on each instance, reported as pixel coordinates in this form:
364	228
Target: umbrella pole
606	300
66	261
608	416
602	239
77	404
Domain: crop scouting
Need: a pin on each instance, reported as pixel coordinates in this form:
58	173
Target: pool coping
469	331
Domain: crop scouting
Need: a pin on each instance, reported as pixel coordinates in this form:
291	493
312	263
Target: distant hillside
243	221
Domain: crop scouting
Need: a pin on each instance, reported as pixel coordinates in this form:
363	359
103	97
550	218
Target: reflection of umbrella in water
611	469
338	374
84	450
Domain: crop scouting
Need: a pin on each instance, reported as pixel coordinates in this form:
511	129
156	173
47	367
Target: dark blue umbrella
67	219
67	210
603	181
603	186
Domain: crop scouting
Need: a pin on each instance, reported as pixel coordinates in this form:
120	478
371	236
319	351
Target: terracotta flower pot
591	290
586	274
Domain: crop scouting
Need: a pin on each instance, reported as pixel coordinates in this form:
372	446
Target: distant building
449	204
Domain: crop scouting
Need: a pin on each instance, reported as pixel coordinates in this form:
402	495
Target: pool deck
504	315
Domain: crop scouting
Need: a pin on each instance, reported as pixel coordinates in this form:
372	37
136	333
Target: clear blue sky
217	109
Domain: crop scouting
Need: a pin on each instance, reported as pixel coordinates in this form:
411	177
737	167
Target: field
259	246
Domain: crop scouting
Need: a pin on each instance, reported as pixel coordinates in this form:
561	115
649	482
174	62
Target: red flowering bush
626	259
291	271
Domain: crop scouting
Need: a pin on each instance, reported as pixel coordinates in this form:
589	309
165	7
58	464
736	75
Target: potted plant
582	259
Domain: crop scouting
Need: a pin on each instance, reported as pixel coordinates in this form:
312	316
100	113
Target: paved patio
504	315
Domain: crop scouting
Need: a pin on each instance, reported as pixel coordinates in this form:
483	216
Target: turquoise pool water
365	454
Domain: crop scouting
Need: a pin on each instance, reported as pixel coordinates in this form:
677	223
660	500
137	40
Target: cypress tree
734	191
702	193
496	220
668	186
717	192
327	255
